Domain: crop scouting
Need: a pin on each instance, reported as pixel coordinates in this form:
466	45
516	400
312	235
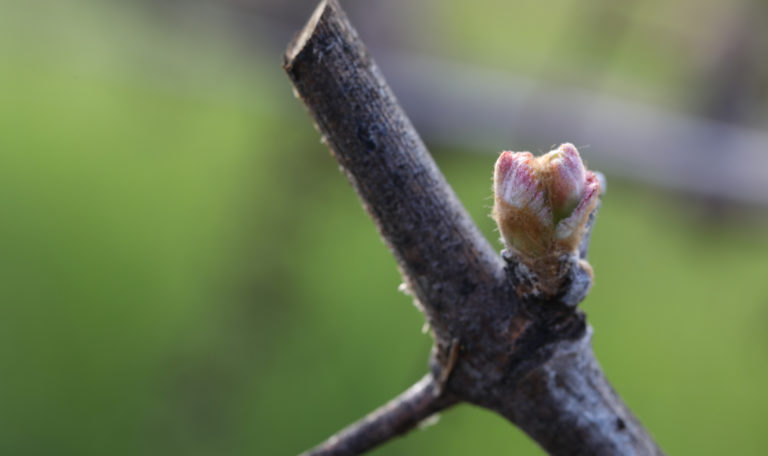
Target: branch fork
507	338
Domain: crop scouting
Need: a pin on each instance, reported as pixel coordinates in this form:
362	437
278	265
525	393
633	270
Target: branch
418	215
568	406
524	356
395	418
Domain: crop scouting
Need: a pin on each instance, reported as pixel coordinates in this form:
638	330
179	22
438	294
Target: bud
542	203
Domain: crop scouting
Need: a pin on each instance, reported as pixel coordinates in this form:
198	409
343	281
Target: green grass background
183	270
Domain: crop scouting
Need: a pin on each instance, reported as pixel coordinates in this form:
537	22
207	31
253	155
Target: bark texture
525	356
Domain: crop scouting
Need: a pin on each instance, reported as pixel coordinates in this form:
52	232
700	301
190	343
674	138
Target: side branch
395	418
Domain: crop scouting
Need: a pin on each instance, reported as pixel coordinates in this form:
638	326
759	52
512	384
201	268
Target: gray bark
525	357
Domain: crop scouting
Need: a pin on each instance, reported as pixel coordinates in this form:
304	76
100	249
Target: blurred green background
183	270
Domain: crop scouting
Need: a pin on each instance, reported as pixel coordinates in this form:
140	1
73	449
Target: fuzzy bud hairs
542	204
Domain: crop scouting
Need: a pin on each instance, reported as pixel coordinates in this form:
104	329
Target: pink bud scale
542	203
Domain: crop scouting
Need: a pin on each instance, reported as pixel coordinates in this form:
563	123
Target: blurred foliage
184	270
650	50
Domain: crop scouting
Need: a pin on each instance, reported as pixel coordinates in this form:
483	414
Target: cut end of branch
301	38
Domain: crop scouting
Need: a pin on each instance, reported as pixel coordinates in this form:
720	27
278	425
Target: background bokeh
183	270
